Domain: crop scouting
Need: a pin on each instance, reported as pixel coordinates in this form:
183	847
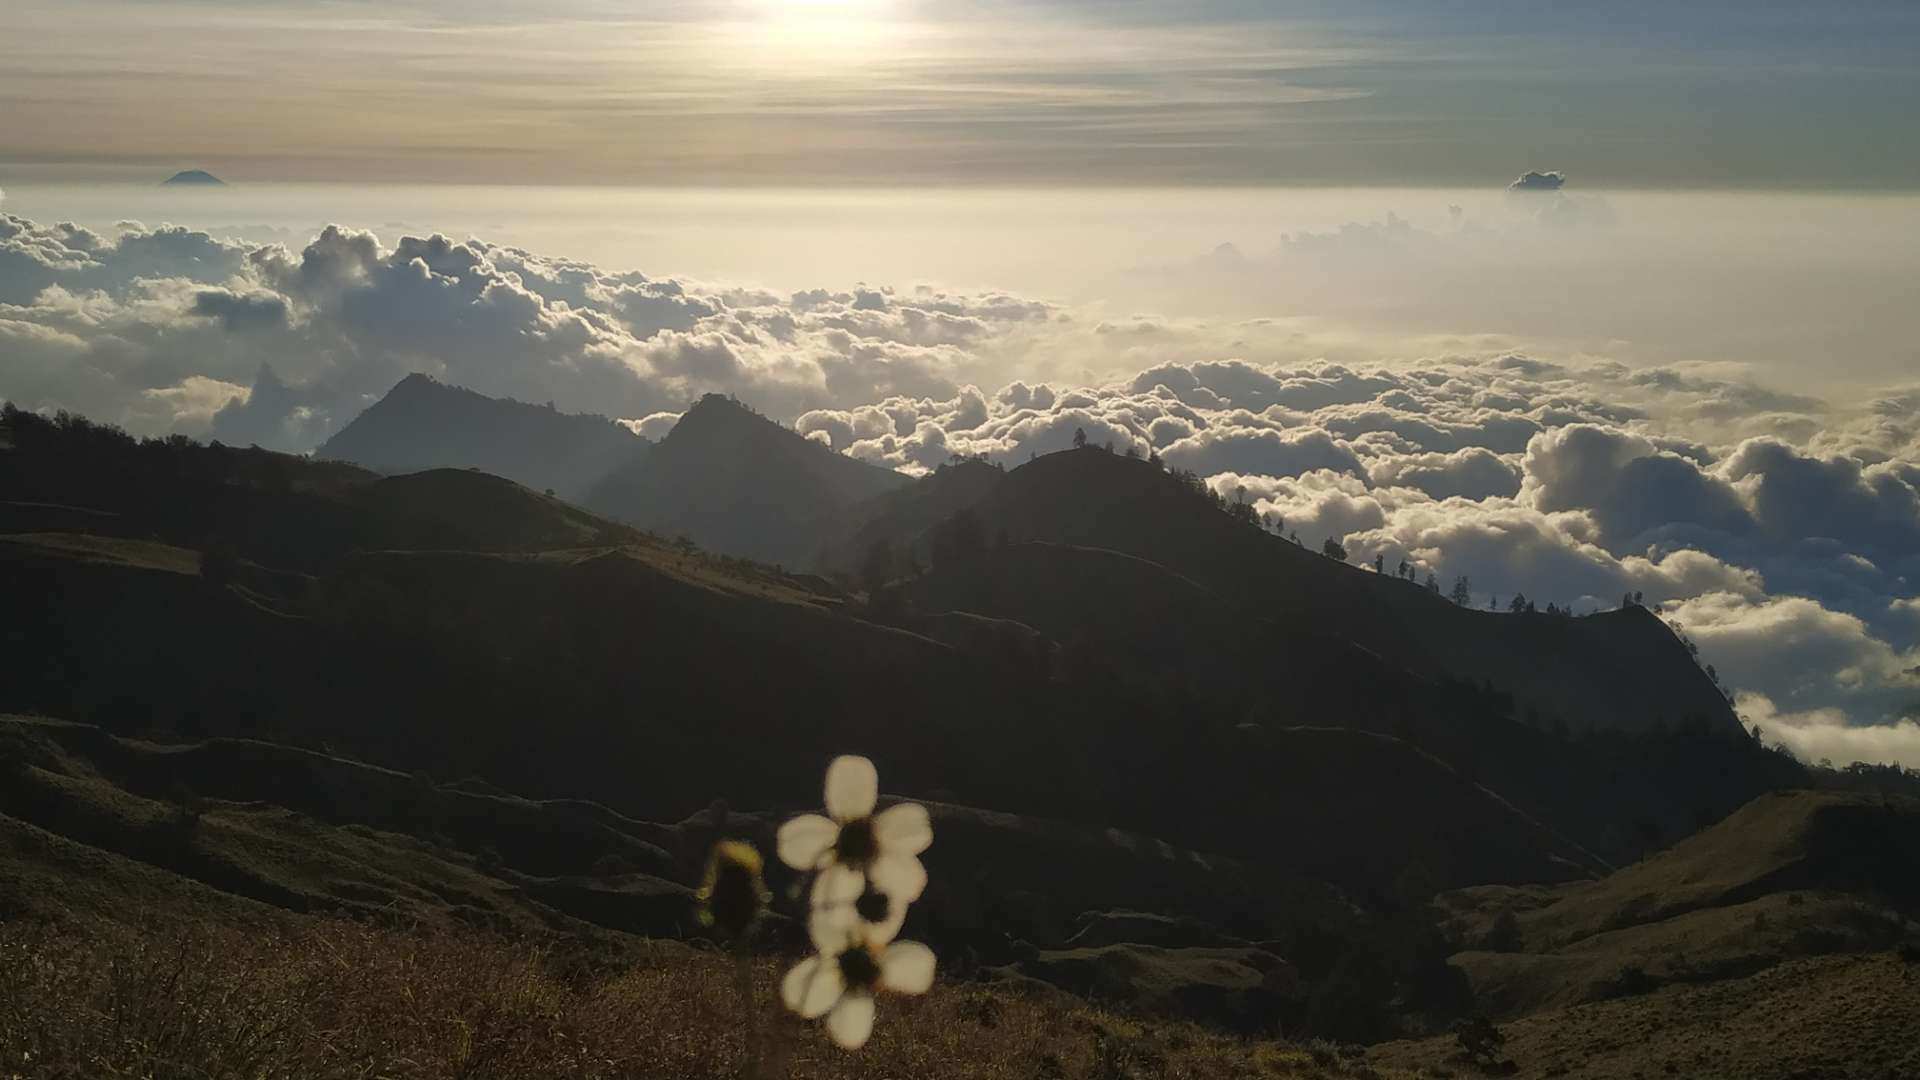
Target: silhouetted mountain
1623	670
1119	620
282	511
904	515
740	484
424	424
193	178
620	668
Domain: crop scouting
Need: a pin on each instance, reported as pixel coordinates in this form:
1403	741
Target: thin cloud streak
910	92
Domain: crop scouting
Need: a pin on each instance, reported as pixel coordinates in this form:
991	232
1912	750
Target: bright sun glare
801	6
818	33
807	11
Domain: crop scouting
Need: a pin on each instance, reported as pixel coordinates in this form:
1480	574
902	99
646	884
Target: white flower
884	848
840	890
840	983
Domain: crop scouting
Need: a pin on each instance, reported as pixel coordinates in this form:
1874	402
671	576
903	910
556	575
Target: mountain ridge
1091	498
422	423
740	484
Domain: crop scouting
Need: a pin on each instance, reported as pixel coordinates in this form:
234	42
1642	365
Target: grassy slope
1842	1017
106	550
129	937
1779	842
331	999
101	827
96	927
375	841
1788	876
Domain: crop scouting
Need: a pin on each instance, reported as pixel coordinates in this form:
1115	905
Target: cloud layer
172	329
1782	532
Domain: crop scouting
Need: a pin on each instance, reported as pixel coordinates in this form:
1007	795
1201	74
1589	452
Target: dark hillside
92	789
902	520
1615	671
454	622
612	675
1128	622
279	510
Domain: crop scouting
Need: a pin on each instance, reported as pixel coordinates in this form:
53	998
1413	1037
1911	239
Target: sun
812	11
806	6
822	35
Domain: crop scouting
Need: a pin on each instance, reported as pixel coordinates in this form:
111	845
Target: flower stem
749	1014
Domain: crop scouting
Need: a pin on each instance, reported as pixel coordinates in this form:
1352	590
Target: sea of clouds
1780	530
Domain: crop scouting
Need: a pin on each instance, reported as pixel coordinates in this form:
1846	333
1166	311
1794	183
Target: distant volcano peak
193	178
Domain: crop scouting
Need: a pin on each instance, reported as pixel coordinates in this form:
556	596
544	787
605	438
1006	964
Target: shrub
1479	1039
1504	935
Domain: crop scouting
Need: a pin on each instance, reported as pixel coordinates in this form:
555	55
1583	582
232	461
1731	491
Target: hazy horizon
1802	292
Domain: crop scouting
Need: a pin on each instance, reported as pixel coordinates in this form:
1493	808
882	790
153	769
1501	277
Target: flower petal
903	830
812	987
805	841
852	787
851	1021
832	917
833	931
907	968
901	877
837	886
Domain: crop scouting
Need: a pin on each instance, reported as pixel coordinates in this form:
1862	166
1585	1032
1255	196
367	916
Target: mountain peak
423	423
193	178
740	483
718	409
421	386
717	401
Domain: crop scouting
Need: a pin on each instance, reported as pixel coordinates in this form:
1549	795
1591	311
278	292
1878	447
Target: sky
1273	243
1717	93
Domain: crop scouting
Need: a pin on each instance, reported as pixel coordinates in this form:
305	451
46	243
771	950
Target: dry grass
1825	1018
109	550
340	999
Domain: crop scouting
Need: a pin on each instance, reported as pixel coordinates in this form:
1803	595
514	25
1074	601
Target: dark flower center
857	845
859	969
872	906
